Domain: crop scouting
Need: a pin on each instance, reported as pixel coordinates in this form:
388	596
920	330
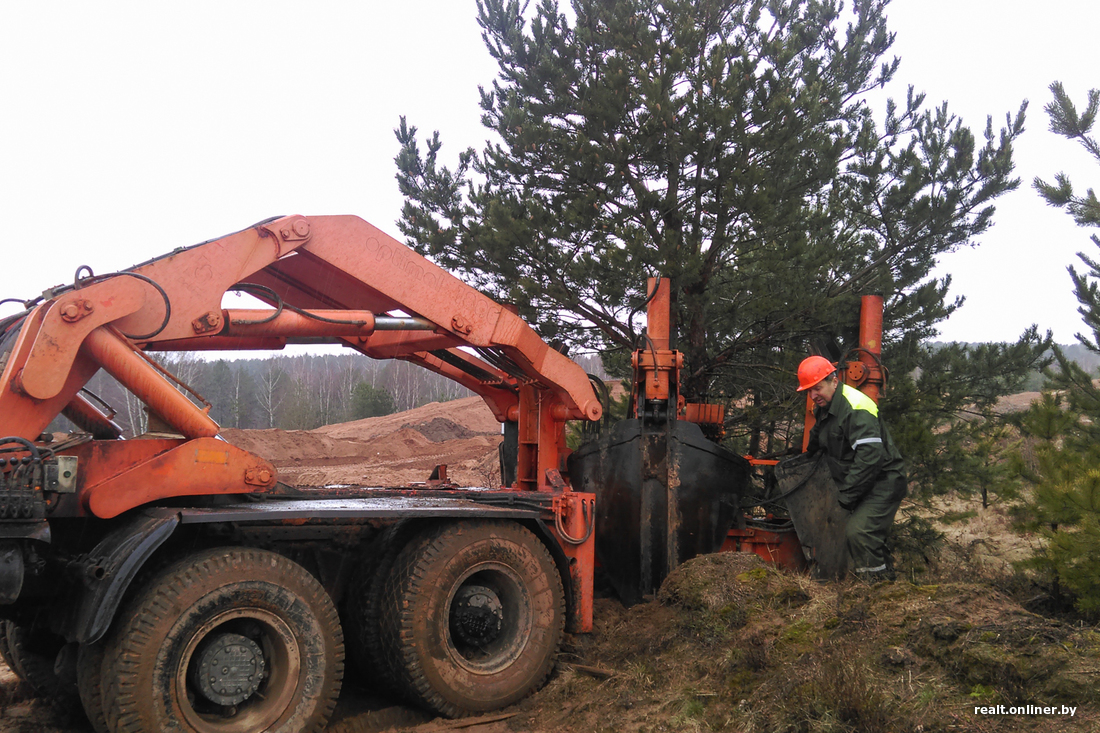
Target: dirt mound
470	412
290	445
725	584
393	450
731	644
441	429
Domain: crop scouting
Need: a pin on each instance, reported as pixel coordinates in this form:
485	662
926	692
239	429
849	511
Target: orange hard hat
812	370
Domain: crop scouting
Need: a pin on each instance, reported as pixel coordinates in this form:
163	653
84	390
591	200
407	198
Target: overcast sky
132	128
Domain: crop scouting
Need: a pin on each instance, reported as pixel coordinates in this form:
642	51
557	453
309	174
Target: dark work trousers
867	527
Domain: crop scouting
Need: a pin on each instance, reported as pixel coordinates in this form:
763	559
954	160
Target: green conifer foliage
368	401
729	145
1065	426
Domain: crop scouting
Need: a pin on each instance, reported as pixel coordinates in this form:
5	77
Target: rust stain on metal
207	322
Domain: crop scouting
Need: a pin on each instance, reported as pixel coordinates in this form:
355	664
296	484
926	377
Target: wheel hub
477	615
228	669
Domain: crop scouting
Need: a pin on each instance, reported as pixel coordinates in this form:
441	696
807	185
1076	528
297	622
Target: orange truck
173	582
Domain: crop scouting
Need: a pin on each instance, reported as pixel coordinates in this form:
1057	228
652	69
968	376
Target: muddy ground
730	644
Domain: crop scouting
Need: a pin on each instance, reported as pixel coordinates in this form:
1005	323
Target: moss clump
801	635
753	575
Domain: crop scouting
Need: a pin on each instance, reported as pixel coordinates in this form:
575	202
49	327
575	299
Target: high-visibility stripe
879	569
858	400
861	441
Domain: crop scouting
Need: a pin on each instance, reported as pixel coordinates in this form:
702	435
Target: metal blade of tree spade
815	510
664	494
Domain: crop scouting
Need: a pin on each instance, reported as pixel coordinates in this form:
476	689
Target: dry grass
805	656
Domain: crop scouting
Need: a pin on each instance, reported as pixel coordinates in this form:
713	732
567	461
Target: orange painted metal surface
870	378
778	547
21	414
59	339
574	530
121	475
656	360
392	344
90	418
537	455
196	278
808	422
337	266
350	264
119	359
487	381
703	413
329	279
289	324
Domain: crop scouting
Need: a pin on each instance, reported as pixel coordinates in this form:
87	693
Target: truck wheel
33	653
363	611
89	670
473	616
225	641
5	651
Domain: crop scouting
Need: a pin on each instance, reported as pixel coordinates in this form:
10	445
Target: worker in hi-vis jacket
863	460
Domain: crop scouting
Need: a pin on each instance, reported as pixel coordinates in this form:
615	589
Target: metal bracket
295	231
61	476
75	309
207	322
258	476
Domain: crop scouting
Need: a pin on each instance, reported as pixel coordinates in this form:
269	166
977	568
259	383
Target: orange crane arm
330	278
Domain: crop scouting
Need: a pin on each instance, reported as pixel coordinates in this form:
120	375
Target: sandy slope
393	450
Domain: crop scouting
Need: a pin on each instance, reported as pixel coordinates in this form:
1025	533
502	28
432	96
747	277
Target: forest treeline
298	392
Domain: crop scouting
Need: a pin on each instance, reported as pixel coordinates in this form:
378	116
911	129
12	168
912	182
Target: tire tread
131	642
410	578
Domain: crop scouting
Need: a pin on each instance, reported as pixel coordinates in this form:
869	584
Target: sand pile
393	450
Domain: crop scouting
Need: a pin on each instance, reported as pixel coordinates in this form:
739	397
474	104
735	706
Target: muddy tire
5	651
32	655
89	672
363	611
473	616
225	641
22	690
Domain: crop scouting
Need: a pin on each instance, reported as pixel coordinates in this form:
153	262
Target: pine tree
728	145
1065	426
944	414
368	401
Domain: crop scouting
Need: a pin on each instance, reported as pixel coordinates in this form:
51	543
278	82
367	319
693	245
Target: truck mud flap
661	498
112	565
814	506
